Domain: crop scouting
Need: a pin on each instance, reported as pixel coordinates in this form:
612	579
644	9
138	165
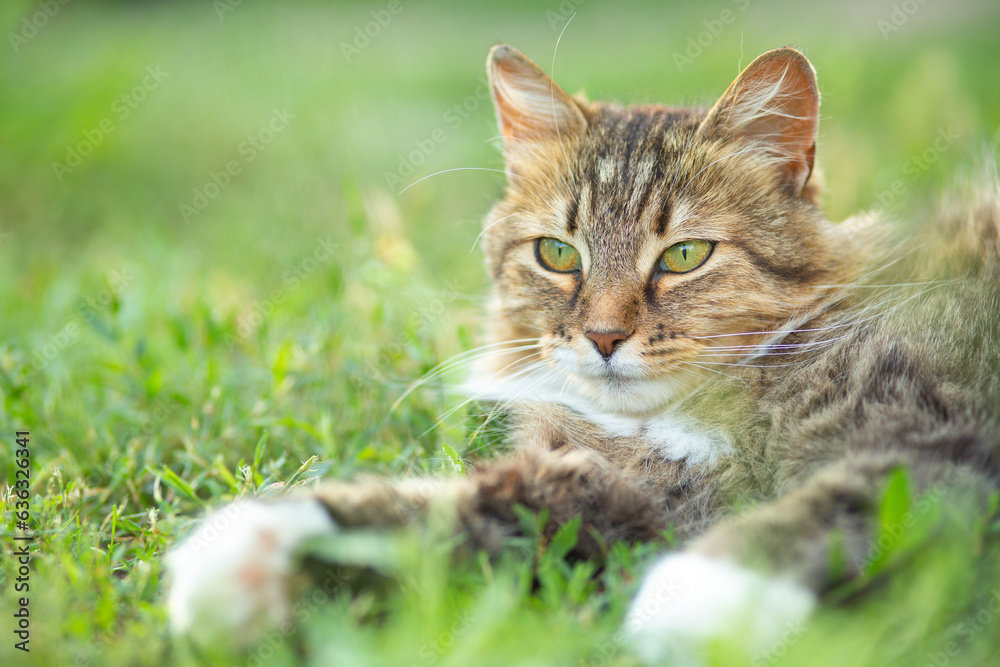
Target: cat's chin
607	393
630	396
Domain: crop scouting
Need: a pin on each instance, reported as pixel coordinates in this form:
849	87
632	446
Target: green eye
557	256
685	256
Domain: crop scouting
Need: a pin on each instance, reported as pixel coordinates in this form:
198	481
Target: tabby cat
685	334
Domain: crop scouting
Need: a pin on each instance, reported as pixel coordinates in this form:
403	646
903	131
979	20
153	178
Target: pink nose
606	341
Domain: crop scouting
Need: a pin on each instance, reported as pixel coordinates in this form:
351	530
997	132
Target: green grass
195	361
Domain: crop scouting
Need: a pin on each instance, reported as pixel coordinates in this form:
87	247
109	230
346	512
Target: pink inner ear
530	106
512	93
791	116
775	101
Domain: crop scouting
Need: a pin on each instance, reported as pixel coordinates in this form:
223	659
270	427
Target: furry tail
968	223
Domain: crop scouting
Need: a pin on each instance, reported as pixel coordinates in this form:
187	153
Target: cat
683	334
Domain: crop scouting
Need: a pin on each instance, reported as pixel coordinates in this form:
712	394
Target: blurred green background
208	274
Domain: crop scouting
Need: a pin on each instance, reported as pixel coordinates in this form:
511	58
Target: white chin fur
634	398
688	599
229	578
619	396
674	436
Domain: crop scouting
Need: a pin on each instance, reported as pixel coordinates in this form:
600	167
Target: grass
166	361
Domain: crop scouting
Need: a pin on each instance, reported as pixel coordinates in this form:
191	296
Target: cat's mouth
622	387
615	369
635	397
619	385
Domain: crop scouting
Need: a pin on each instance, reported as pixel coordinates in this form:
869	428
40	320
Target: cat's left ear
530	107
774	102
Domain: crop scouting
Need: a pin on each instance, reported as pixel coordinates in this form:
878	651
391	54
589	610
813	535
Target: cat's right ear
775	103
530	107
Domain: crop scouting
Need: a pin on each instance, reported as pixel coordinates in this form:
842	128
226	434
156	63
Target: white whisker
487	228
464	359
445	171
531	368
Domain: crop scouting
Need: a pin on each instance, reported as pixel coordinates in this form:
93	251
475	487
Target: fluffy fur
791	373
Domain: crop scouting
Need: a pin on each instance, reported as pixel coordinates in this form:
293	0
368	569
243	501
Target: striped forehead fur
630	182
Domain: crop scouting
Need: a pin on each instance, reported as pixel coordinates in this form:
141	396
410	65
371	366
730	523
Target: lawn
212	285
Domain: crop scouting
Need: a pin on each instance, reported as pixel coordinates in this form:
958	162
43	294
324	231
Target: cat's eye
557	256
685	256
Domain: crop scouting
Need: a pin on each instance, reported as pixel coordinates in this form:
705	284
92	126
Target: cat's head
640	246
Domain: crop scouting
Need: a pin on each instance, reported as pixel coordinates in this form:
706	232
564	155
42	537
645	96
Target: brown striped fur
866	378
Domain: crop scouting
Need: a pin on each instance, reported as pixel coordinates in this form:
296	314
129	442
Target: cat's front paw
688	599
229	580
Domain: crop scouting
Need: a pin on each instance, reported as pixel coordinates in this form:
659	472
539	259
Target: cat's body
686	335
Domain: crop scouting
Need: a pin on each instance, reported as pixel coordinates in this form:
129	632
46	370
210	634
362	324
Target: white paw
229	579
688	599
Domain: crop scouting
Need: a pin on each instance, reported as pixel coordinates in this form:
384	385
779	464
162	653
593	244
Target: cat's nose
606	341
